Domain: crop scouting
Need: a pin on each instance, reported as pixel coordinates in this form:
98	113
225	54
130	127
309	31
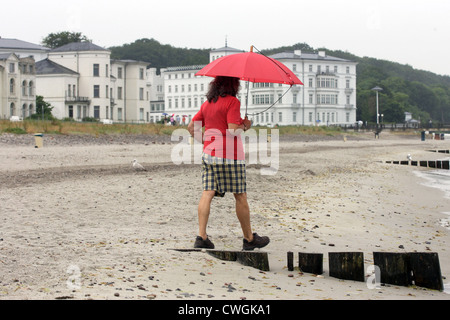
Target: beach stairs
421	269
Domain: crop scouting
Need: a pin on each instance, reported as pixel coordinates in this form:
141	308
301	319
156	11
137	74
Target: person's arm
246	124
196	131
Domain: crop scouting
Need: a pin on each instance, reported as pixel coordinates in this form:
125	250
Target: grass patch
97	129
84	128
15	130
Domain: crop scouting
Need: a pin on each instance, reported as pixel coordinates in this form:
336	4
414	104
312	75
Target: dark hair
221	87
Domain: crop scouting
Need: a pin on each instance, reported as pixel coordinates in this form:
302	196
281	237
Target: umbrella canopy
250	66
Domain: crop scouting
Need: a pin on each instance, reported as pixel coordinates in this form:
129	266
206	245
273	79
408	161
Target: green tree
42	107
55	40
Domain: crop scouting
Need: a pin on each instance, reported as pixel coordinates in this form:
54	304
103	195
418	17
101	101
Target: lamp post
377	89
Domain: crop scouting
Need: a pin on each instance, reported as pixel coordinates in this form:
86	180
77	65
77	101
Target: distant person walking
223	159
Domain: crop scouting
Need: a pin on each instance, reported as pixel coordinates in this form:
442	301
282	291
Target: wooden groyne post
347	265
404	269
310	262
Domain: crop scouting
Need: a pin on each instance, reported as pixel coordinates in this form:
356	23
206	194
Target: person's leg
204	208
243	214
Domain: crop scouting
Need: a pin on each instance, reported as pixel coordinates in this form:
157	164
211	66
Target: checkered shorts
223	175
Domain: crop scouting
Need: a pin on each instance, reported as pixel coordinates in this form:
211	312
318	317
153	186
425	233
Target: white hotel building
328	96
81	80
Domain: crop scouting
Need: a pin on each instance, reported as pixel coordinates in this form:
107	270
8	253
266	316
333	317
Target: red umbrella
250	66
253	67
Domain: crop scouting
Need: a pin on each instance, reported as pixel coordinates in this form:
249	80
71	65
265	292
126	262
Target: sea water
439	179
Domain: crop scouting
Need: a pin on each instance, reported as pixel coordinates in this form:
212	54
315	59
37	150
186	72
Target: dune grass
96	129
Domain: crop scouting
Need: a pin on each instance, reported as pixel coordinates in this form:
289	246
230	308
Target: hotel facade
328	96
81	81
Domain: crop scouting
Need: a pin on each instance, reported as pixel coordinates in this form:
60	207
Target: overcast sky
406	31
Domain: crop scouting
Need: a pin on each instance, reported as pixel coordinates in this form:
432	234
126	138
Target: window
97	112
141	93
96	91
107	73
12	109
141	76
119	114
12	68
141	114
96	70
259	99
280	117
24	88
330	99
12	85
107	93
294	116
311	99
310	117
294	67
119	93
310	82
347	69
323	82
119	73
310	68
71	112
294	98
347	84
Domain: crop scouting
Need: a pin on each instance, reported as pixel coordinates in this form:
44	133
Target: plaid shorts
223	175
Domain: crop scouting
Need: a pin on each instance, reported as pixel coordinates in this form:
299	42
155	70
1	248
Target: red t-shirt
215	117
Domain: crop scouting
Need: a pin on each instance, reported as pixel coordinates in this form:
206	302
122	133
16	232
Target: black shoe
203	244
258	242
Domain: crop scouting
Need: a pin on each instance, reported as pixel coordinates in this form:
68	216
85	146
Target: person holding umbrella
223	159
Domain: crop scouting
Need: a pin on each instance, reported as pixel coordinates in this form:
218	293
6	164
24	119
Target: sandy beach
77	222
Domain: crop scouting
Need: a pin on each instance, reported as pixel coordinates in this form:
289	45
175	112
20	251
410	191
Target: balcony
84	100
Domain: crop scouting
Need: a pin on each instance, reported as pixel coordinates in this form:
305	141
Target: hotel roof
78	47
49	67
14	44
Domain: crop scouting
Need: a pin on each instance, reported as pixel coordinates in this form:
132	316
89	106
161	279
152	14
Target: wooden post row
403	269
